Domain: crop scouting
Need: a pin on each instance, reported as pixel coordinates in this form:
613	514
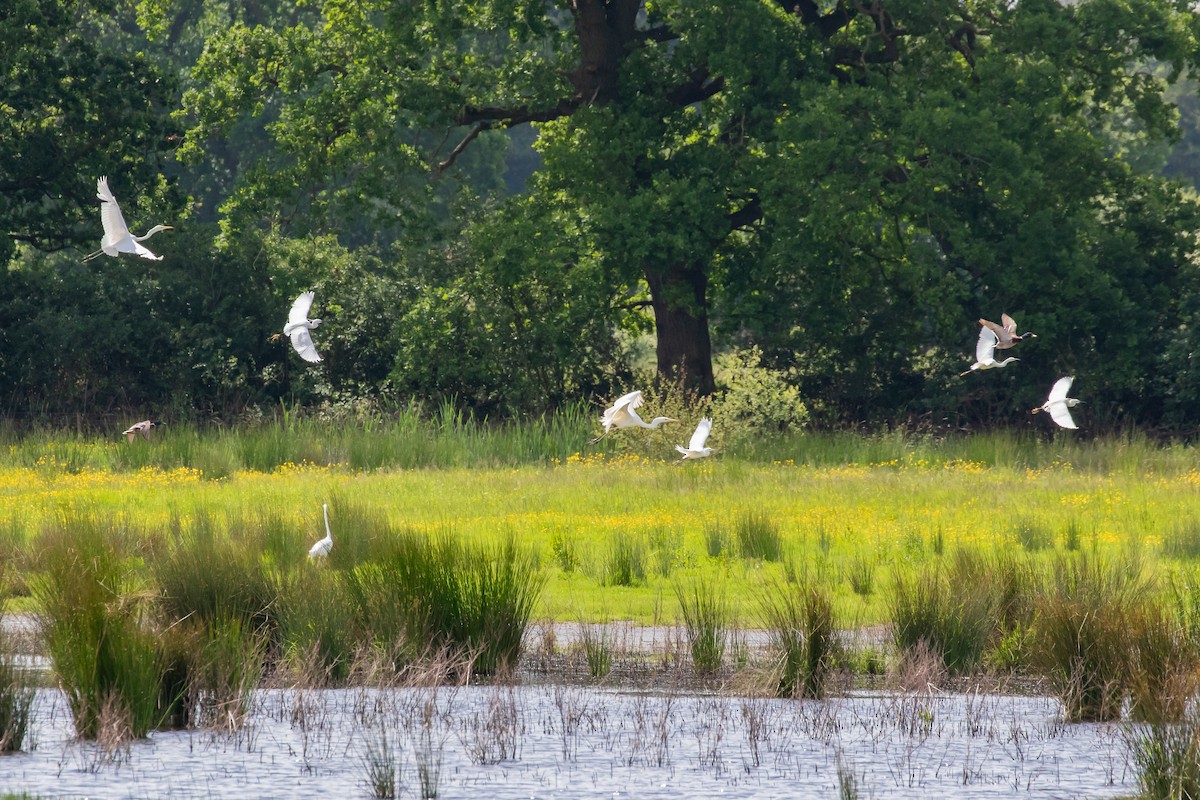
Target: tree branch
470	137
516	116
747	214
698	87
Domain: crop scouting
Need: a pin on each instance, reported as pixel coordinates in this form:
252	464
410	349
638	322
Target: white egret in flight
142	428
299	325
117	238
1058	405
1006	332
696	448
985	350
621	414
322	548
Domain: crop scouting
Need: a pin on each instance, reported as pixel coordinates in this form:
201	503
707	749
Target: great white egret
985	350
621	414
322	548
117	238
1006	332
696	448
299	325
142	428
1058	405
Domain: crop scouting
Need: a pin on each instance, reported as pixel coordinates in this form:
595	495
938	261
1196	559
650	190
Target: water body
573	741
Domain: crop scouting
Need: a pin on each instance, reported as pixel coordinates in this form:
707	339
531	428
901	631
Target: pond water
578	741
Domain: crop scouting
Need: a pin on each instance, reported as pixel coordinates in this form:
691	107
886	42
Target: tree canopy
847	186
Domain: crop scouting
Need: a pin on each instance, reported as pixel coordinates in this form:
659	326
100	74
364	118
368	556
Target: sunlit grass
834	500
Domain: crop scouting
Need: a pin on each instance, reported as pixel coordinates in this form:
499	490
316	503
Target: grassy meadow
616	527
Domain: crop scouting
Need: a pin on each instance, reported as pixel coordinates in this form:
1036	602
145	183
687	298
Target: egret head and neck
658	422
151	232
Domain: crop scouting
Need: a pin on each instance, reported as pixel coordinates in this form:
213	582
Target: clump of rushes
16	697
625	562
434	594
706	616
930	611
1163	665
758	536
801	623
319	628
1182	540
97	630
1168	760
1084	617
597	650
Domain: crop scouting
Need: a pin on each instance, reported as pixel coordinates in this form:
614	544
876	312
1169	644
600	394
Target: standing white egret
298	327
142	428
985	350
1006	332
117	238
696	448
322	548
621	414
1058	405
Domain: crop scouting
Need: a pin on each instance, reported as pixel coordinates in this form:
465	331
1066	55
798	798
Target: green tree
850	182
72	110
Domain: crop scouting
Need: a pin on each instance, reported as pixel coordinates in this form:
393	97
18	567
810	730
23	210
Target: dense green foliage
838	189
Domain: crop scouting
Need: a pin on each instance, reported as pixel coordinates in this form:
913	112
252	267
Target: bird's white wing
1009	324
985	348
302	341
115	228
300	308
1059	390
631	400
130	246
1062	415
624	403
700	436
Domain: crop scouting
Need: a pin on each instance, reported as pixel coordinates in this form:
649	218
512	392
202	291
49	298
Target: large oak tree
850	180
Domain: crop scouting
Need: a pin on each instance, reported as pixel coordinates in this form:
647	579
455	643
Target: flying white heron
621	414
322	548
696	448
299	326
117	238
139	428
1006	332
1058	405
985	351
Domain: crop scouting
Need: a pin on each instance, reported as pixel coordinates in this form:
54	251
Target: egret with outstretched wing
985	352
117	238
1058	405
299	328
622	414
696	447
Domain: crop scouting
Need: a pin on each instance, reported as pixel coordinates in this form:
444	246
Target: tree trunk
678	296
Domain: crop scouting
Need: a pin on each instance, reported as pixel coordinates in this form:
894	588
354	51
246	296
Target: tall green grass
98	633
802	627
707	618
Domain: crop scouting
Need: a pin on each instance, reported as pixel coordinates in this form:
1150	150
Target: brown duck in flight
1006	332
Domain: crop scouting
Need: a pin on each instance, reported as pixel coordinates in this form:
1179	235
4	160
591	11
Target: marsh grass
939	610
381	763
625	560
861	575
707	618
597	650
1182	540
1032	535
758	536
1164	664
318	628
801	624
16	697
96	630
433	593
717	539
1167	757
1084	616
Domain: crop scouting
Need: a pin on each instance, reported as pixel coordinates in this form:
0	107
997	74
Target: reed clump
1167	757
1085	613
801	623
707	618
98	632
